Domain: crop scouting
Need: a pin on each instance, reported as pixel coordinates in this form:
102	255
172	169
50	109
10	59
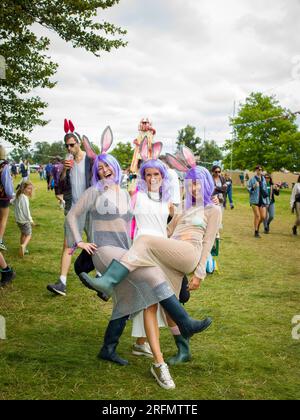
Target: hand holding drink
69	161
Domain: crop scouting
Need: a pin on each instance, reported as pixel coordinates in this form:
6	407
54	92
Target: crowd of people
144	235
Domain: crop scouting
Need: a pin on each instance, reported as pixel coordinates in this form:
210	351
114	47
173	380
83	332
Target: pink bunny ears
183	161
147	154
105	143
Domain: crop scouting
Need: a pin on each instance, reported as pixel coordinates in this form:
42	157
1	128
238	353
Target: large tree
123	152
187	136
27	64
265	133
210	152
206	151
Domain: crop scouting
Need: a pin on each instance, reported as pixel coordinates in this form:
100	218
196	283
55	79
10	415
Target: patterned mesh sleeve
79	211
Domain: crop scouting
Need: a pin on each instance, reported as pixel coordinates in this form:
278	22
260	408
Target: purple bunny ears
183	161
155	151
105	143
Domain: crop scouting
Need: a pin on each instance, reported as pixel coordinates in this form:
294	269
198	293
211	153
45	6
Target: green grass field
248	353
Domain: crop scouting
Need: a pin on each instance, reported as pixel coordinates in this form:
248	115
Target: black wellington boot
187	325
113	332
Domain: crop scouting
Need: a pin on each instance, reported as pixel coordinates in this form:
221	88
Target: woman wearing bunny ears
151	208
155	262
108	208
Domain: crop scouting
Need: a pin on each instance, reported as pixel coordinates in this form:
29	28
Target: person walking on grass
23	215
295	204
273	189
228	180
75	179
259	198
56	171
24	170
6	194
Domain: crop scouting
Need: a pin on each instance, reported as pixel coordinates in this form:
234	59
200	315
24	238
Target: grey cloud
185	63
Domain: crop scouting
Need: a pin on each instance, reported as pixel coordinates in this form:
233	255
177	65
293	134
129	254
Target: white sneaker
142	350
162	375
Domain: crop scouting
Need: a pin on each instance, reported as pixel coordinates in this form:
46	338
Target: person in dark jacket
273	189
220	185
75	179
259	199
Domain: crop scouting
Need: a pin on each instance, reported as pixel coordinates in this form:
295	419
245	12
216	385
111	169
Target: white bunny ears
183	161
105	143
147	154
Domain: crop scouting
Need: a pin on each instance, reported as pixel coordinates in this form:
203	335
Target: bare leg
2	261
262	215
152	331
26	240
4	212
66	260
256	214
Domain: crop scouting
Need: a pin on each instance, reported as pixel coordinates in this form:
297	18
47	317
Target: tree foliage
272	142
29	66
123	152
207	151
187	136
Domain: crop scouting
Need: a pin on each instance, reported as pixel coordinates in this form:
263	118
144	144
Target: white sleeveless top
151	216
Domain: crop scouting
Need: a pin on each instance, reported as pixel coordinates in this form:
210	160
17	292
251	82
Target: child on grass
23	216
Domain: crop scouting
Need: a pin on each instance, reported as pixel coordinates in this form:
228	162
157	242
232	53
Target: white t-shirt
22	212
77	178
151	216
175	186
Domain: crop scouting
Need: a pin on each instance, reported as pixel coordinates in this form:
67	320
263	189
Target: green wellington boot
183	354
115	273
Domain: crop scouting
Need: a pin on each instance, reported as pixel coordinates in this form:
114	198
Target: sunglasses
217	172
70	145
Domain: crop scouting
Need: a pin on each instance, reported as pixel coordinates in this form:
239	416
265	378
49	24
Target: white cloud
185	63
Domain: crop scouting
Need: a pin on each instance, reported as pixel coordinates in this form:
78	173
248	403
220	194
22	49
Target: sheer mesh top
110	217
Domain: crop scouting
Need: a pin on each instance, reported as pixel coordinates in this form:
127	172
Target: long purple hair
112	163
165	189
201	174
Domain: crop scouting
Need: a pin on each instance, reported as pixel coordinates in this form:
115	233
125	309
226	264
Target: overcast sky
186	62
